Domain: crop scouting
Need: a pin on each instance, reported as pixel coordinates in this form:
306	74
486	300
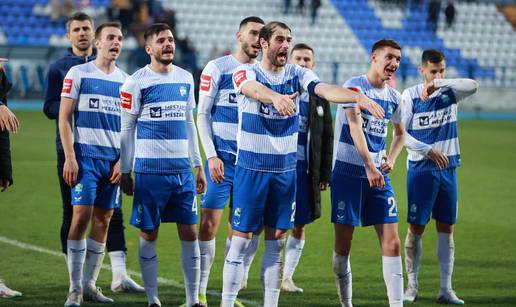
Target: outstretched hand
366	103
284	104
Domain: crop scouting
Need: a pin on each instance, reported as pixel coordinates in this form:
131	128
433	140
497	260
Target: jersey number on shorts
194	205
392	206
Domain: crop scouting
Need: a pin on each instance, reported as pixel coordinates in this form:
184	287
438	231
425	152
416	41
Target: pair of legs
190	263
261	199
115	243
270	274
392	270
85	257
431	193
168	199
354	202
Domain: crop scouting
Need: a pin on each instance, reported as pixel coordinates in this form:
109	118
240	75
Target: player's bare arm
398	141
8	120
374	176
71	168
284	104
338	94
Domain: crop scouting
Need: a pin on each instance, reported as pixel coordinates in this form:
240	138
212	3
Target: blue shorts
217	194
353	202
263	198
303	214
164	198
432	193
93	187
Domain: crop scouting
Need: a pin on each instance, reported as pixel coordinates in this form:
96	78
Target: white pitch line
161	280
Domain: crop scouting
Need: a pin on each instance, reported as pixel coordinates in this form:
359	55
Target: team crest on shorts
78	188
236	216
413	208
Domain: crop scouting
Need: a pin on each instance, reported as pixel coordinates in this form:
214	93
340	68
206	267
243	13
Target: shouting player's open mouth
282	56
114	50
389	71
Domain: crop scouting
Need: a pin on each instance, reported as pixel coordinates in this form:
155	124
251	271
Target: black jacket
6	171
320	131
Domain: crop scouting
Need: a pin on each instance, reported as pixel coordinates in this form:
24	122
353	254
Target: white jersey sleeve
306	76
193	142
461	88
407	115
130	96
71	84
210	79
241	76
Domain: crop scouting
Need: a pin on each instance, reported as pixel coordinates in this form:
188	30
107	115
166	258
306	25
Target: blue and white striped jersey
302	138
97	111
216	82
346	159
267	141
433	122
161	102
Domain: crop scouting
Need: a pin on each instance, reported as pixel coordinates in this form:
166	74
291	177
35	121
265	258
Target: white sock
118	266
446	256
233	270
343	278
93	263
249	256
228	244
149	268
76	250
292	255
191	263
393	277
207	250
271	271
413	251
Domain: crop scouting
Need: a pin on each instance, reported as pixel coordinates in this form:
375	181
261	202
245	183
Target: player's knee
391	246
298	231
208	228
187	232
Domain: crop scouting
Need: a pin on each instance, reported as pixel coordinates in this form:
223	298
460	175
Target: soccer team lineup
275	141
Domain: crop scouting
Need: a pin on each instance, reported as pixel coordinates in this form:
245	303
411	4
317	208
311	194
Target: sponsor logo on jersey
67	86
232	98
424	121
126	100
182	91
94	103
155	112
205	83
239	77
264	109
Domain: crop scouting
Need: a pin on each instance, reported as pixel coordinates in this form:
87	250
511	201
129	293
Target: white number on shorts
194	205
293	216
392	206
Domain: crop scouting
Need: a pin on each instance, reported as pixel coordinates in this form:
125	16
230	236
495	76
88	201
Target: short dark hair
79	16
268	30
432	56
155	29
385	43
109	24
249	19
301	46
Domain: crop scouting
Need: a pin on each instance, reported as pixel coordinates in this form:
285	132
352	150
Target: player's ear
238	35
263	43
148	49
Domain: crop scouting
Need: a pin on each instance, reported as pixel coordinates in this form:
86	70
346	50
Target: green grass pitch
485	266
